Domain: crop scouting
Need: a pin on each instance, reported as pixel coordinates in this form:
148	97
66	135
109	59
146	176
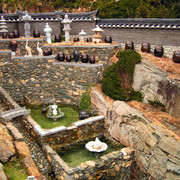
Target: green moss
158	105
85	102
15	170
118	78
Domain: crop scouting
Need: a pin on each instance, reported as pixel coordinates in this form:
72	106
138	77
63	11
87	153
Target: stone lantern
97	38
66	21
26	18
3	25
82	34
48	31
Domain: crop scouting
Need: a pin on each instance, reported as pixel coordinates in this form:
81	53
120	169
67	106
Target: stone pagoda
3	25
97	38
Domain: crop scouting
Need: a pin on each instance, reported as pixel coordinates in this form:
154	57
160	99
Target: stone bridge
13	113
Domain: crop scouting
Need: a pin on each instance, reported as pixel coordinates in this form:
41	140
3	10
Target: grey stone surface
156	150
2	174
155	86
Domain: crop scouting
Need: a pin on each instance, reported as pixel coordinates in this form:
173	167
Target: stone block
15	132
170	145
2	174
7	149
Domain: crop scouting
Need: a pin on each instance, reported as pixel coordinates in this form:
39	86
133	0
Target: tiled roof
140	23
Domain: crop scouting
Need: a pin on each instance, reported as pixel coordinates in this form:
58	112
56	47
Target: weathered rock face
155	86
2	175
7	149
157	151
25	156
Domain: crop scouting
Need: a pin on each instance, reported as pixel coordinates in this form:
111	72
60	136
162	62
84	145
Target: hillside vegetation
108	9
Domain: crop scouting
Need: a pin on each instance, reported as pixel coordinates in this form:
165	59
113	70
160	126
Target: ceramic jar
89	40
68	58
76	39
158	51
36	33
50	51
83	114
145	47
57	38
11	35
92	59
13	45
44	110
129	45
176	57
16	34
45	52
76	55
4	35
60	56
108	39
84	58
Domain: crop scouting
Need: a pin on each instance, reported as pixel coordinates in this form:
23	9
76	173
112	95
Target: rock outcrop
2	174
156	86
7	149
157	149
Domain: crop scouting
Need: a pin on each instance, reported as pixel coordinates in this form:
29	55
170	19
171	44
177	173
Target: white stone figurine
66	21
48	31
28	49
39	50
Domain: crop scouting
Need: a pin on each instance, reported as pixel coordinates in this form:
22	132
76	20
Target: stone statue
39	50
26	18
48	31
28	49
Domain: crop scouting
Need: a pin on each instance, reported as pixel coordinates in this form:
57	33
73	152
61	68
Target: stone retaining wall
168	50
114	165
43	79
32	43
62	135
101	53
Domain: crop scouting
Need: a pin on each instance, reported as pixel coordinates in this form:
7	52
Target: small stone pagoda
3	25
97	38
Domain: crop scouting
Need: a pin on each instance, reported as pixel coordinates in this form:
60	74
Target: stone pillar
66	21
26	18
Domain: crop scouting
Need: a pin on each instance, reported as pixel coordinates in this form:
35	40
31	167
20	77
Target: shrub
158	105
118	78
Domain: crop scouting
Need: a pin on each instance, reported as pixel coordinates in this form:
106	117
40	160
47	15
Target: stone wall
62	135
156	147
40	25
32	43
115	165
42	79
168	50
101	53
162	37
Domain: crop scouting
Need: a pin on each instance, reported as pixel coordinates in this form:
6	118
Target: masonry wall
40	25
43	80
153	36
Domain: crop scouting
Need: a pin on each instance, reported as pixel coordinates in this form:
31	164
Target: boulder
2	174
26	159
155	86
7	149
